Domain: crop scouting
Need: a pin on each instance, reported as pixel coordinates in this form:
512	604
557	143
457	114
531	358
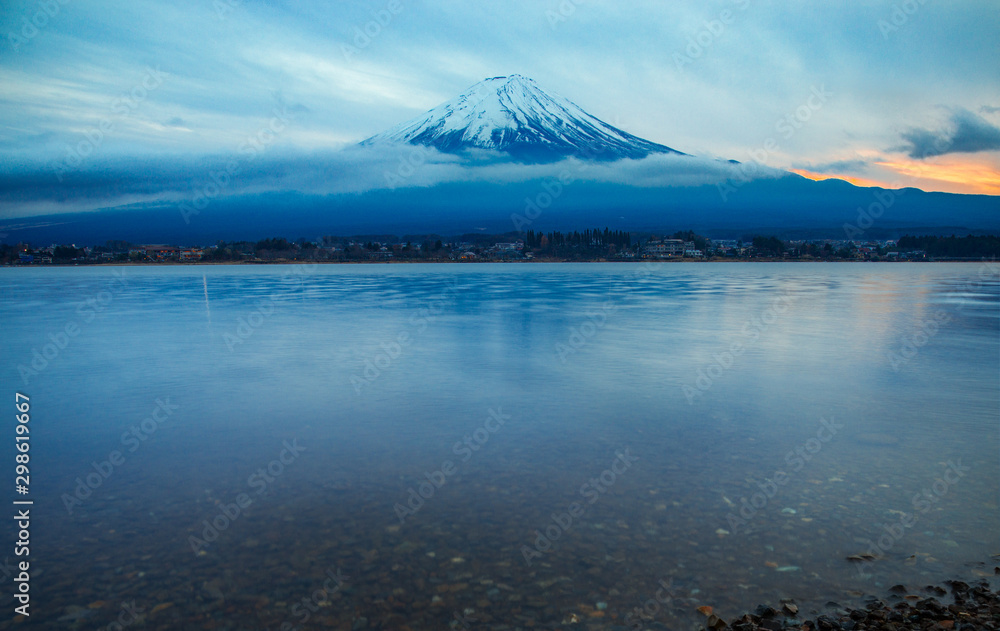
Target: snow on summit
513	115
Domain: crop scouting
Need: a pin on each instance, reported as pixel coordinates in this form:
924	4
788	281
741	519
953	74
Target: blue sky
912	88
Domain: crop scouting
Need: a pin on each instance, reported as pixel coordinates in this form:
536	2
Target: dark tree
770	246
65	252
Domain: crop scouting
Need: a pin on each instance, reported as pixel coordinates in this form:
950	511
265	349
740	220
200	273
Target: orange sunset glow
857	181
946	174
950	175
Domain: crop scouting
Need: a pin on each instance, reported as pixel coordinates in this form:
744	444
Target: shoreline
951	604
531	262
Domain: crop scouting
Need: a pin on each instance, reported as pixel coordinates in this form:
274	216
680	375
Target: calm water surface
499	446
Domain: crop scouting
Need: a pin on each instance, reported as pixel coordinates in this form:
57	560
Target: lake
499	446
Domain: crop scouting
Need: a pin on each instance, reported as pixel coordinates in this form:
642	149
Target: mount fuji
513	115
503	140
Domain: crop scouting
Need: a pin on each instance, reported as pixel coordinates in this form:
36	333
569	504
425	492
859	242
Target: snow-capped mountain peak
512	114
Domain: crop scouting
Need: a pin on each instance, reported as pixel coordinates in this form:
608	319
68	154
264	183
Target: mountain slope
513	115
788	207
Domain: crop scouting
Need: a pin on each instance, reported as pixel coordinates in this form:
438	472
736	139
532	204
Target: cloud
968	133
29	189
838	166
224	66
989	109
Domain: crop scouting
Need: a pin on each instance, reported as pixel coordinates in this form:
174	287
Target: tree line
953	247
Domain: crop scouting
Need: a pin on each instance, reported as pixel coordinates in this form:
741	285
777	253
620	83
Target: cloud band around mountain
33	189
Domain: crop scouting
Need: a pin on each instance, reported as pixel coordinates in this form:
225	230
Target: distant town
588	245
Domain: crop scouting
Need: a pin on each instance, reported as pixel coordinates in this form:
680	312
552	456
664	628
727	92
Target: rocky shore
957	606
